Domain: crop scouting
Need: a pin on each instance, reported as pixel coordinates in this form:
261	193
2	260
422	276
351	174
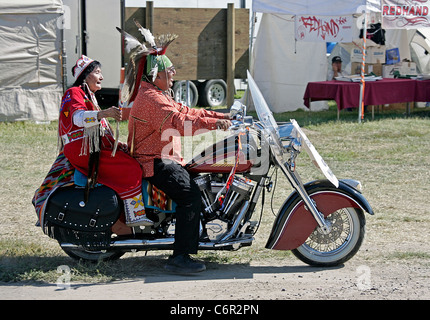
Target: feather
164	41
134	74
130	42
138	55
138	78
146	34
128	85
154	72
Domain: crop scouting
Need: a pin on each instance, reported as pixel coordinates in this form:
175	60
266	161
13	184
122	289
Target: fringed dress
121	173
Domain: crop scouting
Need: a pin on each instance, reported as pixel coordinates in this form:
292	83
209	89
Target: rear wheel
338	246
92	246
93	256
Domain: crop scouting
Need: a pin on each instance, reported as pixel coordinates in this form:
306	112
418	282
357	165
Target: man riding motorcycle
156	124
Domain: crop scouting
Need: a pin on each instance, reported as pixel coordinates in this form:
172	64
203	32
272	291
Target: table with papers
384	91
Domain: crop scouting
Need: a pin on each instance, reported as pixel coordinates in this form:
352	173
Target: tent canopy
30	59
30	6
316	7
282	66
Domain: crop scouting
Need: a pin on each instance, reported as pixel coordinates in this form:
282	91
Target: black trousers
179	185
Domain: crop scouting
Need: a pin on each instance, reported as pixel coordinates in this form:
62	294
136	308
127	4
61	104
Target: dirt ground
362	278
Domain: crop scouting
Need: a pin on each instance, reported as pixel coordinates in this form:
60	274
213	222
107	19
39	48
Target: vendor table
385	91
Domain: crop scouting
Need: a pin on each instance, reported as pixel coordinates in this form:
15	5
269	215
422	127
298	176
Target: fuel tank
221	157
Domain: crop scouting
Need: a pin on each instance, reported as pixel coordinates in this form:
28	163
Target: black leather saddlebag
66	208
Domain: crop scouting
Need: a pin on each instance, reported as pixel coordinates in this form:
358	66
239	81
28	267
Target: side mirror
237	110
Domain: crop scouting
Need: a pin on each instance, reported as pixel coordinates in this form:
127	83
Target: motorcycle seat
81	179
153	198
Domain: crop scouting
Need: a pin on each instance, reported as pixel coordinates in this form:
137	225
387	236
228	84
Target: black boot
184	264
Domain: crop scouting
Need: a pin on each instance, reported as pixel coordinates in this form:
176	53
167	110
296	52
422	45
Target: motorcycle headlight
292	144
296	144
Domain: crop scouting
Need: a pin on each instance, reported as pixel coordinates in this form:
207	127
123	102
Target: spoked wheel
93	246
93	256
337	247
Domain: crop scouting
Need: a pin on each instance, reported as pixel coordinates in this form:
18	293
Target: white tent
282	66
420	50
30	59
315	7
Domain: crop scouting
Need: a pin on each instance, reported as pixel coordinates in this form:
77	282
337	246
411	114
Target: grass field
389	155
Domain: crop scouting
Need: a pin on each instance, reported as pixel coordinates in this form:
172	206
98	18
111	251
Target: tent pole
363	63
251	40
251	47
63	58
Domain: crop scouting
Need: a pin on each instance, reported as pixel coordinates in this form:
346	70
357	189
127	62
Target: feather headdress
138	56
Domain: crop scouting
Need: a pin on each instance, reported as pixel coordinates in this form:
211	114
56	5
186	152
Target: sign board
324	28
405	14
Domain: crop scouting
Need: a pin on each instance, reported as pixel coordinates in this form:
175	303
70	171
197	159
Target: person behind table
84	130
156	124
336	69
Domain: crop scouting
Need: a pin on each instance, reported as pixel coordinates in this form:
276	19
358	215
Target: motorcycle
322	222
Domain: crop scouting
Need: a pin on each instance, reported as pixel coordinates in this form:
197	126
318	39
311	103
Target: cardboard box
389	69
408	68
404	68
374	54
399	106
356	55
376	68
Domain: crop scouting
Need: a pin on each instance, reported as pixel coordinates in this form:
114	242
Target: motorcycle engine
222	203
215	229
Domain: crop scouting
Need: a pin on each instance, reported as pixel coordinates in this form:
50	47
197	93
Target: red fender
294	226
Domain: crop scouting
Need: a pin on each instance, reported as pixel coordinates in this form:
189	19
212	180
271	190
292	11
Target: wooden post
231	60
149	16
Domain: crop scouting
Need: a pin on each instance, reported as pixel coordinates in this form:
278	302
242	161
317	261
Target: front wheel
340	245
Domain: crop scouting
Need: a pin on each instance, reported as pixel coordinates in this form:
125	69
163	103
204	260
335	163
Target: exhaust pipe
129	244
166	244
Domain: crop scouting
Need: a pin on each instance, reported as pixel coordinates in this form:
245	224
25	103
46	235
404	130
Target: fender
295	223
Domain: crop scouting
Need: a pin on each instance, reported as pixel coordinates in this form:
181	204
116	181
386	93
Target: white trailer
89	29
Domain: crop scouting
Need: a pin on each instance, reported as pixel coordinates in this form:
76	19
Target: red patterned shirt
156	124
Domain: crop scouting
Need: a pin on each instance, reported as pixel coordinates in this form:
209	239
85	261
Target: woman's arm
87	119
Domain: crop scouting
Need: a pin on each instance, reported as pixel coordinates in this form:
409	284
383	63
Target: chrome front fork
297	184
